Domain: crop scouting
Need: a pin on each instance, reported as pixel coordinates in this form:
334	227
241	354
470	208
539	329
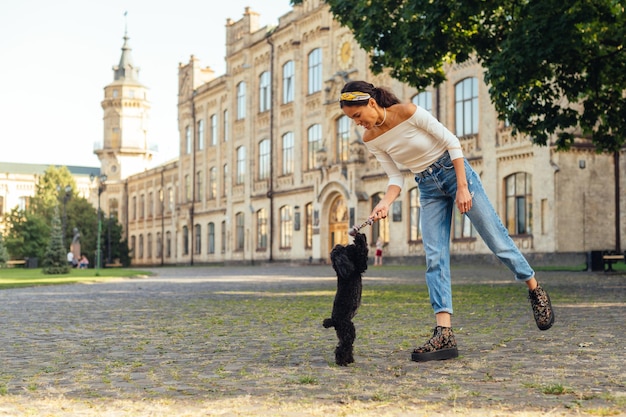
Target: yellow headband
354	96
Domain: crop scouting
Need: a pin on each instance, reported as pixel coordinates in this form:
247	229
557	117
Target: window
213	129
314	140
200	135
185	240
199	187
396	211
415	224
265	92
187	140
288	160
198	239
187	188
308	226
239	231
424	100
134	208
519	203
142	206
212	188
241	165
264	159
170	199
288	82
241	100
168	244
261	229
226	132
140	255
150	204
381	227
315	71
224	178
223	236
159	245
286	227
133	246
343	136
466	107
149	245
210	238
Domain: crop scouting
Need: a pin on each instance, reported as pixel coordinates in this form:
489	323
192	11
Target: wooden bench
610	257
16	262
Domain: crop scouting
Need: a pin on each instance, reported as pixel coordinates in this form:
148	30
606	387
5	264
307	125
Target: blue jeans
437	186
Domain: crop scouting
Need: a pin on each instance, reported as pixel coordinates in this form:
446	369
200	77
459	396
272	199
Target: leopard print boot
441	346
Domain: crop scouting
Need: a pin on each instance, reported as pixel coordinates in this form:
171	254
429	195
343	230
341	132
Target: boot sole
437	355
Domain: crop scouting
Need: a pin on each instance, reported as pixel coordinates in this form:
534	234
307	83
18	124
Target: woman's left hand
464	199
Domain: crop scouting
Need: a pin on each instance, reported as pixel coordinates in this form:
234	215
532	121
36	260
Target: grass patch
21	277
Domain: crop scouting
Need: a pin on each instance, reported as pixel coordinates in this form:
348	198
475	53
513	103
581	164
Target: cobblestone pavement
248	341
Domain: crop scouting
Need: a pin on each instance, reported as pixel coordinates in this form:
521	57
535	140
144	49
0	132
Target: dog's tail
328	323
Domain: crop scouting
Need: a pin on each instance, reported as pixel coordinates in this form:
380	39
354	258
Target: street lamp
101	187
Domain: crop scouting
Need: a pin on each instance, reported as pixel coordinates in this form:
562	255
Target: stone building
270	169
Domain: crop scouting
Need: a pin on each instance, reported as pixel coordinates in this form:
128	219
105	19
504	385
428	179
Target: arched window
314	135
288	82
519	203
342	139
185	240
240	232
241	100
211	238
286	227
261	229
212	188
200	134
381	227
424	100
265	92
288	154
241	165
415	223
264	159
466	107
315	71
198	239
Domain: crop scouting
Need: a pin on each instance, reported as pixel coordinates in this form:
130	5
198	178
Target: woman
405	134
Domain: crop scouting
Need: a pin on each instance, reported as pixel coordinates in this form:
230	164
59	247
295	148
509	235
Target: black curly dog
349	262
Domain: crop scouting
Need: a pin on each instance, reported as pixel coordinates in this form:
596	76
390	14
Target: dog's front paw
328	323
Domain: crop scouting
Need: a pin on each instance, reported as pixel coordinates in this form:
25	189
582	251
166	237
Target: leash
355	229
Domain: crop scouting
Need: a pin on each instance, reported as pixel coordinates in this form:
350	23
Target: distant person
84	262
70	259
378	259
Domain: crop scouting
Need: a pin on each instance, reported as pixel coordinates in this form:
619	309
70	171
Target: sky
56	57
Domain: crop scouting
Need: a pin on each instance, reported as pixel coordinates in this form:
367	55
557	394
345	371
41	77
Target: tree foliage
27	234
55	260
552	66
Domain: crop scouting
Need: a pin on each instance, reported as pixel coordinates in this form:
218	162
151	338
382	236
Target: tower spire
126	70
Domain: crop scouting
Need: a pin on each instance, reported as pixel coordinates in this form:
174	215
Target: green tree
4	254
553	66
55	258
27	234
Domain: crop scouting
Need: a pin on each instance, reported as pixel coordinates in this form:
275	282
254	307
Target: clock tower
124	149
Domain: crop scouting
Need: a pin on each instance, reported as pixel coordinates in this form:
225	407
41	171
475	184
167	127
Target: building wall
572	207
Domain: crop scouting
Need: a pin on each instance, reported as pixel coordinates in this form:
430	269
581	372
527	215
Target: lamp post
101	187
